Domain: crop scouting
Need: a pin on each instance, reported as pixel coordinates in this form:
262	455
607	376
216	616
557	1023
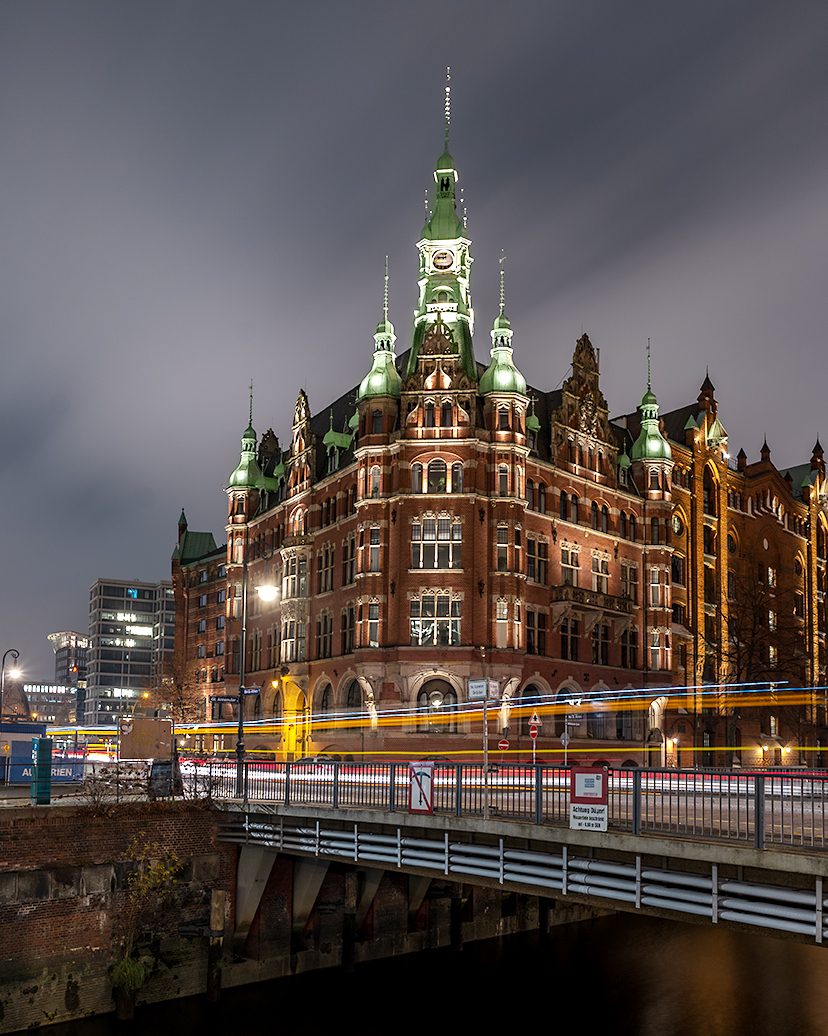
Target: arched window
457	478
709	493
530	494
375	480
325	709
593	516
541	498
416	478
376	422
632	526
622	525
604	519
353	700
573	509
564	509
502	480
437	476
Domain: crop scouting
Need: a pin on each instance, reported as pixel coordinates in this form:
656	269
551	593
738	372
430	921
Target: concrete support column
349	921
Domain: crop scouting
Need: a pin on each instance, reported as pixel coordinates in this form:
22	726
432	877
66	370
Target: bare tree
764	645
175	689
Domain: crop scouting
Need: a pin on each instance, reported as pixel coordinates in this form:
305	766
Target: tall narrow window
503	419
569	639
416	478
530	494
600	575
593	516
457	478
375	480
376	422
429	415
374	561
600	644
437	476
564	508
445	419
502	624
502	548
573	509
604	519
570	560
542	498
502	480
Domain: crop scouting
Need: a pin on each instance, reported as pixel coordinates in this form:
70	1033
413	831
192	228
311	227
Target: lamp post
14	673
267	592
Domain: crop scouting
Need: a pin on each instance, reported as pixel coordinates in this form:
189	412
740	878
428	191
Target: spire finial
448	103
331	418
648	364
385	295
250	422
502	281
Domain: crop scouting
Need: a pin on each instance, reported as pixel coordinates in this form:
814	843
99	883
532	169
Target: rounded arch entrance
295	721
437	706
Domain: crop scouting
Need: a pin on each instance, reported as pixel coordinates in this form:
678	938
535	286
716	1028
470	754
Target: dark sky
194	194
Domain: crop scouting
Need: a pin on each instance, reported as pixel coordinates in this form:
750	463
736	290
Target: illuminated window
434	619
436	543
570	562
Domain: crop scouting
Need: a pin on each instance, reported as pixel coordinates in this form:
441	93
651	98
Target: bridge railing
760	809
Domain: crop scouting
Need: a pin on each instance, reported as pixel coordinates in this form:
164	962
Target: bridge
718	847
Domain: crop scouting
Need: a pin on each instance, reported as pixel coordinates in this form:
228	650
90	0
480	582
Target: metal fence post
335	802
458	789
538	794
636	801
759	811
287	784
392	790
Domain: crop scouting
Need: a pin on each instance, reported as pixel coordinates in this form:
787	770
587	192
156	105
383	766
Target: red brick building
445	523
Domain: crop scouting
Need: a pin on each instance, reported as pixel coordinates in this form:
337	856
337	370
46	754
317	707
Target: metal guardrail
758	809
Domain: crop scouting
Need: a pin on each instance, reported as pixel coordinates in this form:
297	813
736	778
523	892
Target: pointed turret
765	452
502	375
818	458
182	525
445	268
247	474
383	379
650	444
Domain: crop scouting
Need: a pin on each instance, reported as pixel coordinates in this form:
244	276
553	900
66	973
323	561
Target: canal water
623	975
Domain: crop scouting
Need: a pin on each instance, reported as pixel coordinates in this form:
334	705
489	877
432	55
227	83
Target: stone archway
295	721
437	707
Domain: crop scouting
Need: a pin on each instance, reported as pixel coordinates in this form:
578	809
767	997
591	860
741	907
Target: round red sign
533	731
503	745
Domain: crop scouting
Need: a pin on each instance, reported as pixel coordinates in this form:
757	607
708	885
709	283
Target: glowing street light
13	673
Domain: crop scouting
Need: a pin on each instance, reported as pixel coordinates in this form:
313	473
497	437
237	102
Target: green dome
532	423
502	375
383	379
501	323
624	460
650	444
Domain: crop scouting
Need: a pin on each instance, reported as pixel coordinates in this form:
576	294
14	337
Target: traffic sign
535	719
503	745
478	690
533	730
565	738
251	690
224	699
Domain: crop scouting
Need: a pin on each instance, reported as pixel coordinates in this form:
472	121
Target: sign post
588	798
484	690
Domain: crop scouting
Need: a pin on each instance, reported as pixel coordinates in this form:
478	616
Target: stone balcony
581	598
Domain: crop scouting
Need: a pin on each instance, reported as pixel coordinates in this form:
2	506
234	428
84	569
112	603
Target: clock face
442	260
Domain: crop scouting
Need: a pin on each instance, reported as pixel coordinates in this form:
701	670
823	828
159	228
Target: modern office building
442	523
131	632
54	703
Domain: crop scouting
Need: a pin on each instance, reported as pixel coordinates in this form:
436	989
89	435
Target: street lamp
267	592
13	673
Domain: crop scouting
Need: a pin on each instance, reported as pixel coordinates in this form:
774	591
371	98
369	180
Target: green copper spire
650	444
533	425
383	379
248	474
445	268
502	375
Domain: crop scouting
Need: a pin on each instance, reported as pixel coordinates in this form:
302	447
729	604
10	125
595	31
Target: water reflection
631	976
